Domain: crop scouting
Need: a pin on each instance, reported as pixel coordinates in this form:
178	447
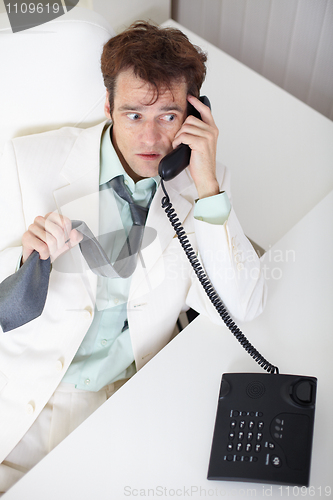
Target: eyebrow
164	109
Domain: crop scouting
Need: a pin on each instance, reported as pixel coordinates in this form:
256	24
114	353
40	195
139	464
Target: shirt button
87	381
116	301
30	408
104	342
59	365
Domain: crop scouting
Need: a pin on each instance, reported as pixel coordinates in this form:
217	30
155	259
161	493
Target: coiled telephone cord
208	287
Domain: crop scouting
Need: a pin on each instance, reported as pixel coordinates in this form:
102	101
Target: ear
107	106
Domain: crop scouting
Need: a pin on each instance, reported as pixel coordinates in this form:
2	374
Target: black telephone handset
178	159
264	424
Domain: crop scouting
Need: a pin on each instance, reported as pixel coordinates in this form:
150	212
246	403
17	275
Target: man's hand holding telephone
195	146
201	136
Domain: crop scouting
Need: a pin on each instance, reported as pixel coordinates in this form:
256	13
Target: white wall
121	13
290	42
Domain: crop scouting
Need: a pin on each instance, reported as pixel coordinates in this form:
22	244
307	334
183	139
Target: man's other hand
50	236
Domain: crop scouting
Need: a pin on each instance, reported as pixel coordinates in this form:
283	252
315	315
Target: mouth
149	156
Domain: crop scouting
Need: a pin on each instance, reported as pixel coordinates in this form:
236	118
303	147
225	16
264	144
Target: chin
147	172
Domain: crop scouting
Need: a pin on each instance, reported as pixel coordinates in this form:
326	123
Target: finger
74	238
60	220
197	138
205	112
59	227
49	233
195	128
55	236
195	142
34	239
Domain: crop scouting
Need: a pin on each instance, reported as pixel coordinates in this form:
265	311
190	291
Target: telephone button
242	424
260	425
233	424
259	436
231	435
275	461
230	447
251	424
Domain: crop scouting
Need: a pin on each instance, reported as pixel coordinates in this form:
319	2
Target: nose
150	134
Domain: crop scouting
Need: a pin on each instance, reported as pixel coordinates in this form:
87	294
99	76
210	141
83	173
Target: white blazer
60	170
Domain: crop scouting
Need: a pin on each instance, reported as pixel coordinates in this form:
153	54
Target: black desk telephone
264	422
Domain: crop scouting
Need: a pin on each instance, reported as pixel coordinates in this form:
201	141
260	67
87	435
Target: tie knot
118	185
138	212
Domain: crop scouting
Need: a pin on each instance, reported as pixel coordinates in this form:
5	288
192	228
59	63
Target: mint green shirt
106	353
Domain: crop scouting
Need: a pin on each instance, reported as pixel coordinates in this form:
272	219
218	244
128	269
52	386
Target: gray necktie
125	263
23	294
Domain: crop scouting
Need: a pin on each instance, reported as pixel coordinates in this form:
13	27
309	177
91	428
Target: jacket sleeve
232	265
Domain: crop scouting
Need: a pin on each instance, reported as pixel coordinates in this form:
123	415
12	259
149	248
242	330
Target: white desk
156	431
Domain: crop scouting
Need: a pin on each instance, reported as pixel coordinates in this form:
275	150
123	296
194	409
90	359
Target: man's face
142	133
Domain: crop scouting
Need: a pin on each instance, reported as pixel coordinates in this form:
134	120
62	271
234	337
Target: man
95	332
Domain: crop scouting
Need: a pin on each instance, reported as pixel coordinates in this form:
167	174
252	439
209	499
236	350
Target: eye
133	116
169	117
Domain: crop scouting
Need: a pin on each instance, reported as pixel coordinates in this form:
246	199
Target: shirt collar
110	167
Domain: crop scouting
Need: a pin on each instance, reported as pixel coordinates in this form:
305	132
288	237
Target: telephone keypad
246	435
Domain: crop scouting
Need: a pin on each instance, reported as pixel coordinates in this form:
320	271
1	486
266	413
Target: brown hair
159	56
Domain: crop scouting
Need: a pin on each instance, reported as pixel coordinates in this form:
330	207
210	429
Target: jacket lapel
81	171
79	198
